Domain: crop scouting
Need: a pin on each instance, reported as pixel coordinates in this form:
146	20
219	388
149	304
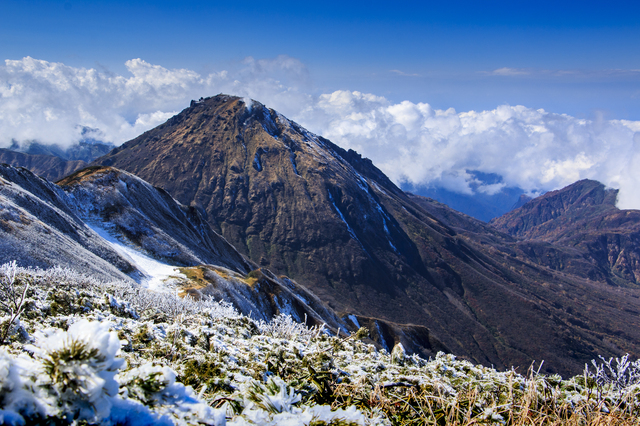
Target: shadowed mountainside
49	167
583	218
303	207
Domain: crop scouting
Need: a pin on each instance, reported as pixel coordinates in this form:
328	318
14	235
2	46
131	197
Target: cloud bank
411	142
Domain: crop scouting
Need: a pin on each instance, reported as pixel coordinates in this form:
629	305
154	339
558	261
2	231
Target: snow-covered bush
284	327
156	387
273	396
78	367
615	373
15	395
72	378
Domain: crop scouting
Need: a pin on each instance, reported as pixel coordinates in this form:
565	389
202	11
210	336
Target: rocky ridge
584	220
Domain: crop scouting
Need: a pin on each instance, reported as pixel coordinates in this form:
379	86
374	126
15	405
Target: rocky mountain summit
305	208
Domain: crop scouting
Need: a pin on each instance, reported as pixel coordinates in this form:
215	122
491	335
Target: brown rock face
581	217
301	206
284	197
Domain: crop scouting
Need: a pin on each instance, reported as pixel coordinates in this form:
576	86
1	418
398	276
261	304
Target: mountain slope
582	217
48	166
39	228
114	226
304	207
148	218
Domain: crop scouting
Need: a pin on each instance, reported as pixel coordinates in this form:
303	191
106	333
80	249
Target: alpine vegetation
80	351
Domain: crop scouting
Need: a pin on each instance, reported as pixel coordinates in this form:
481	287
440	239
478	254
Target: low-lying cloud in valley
532	149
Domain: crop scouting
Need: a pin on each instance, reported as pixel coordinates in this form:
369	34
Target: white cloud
533	149
51	102
597	75
404	74
505	71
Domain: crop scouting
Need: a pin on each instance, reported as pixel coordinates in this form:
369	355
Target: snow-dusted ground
154	275
122	374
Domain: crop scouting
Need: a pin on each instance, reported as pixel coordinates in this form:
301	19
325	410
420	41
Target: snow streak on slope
154	275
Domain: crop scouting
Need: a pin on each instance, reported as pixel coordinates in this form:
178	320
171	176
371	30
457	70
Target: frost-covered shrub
67	370
398	354
156	387
617	373
273	396
64	276
78	368
13	292
148	303
152	384
15	398
274	403
72	378
284	327
123	297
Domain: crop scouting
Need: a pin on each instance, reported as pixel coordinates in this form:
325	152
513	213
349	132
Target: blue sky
580	58
541	93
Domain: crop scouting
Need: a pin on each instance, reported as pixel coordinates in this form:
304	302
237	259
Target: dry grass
414	407
83	175
537	404
194	282
197	280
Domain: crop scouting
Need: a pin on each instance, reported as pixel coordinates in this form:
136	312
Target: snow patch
382	342
362	183
256	162
377	187
354	320
292	157
353	234
154	275
385	217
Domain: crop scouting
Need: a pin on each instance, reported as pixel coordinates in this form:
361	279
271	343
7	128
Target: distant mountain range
277	197
51	161
86	150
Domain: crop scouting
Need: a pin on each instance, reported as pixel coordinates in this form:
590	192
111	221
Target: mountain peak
303	207
576	202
